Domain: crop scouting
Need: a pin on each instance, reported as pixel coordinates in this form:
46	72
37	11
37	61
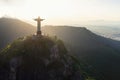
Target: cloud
12	1
9	1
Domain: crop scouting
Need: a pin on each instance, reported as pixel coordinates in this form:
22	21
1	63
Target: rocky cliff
39	58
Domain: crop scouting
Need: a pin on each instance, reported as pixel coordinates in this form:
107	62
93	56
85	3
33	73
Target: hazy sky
63	11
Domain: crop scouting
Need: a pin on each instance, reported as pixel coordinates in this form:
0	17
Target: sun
54	11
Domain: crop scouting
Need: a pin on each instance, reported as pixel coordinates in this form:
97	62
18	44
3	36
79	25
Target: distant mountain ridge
11	29
99	52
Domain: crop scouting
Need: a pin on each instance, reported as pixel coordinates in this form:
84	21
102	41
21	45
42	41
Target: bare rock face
40	58
14	64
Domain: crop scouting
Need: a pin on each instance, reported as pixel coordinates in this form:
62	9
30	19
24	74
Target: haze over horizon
64	12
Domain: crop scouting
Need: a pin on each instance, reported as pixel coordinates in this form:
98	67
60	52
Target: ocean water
112	32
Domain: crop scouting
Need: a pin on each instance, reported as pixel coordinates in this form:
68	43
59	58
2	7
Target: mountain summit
38	58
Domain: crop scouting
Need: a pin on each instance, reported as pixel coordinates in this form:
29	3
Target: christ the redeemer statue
38	25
